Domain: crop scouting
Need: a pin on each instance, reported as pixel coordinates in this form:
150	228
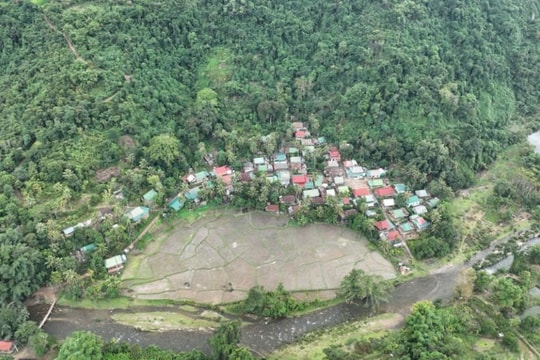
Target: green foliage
81	345
359	286
225	340
12	316
275	304
507	294
26	331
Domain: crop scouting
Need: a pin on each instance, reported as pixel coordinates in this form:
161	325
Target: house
175	203
355	172
421	193
263	168
87	249
388	203
115	263
8	347
406	227
280	157
386	191
137	214
349	163
434	202
298	125
299	180
371	213
319	200
301	134
419	222
413	201
343	189
330	192
150	196
420	209
246	177
347	214
345	201
201	176
332	163
259	161
399	214
292	151
288	200
296	162
377	173
339	180
400	188
281	166
313	193
361	192
284	177
370	200
222	171
308	144
392	235
384	225
193	194
320	180
248	167
375	183
321	140
68	231
333	154
272	208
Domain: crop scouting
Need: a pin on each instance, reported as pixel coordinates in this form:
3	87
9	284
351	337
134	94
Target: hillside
146	89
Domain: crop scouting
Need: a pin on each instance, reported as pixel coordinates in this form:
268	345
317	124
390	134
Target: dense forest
432	89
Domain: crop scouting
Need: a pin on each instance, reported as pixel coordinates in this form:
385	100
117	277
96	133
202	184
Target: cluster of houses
345	180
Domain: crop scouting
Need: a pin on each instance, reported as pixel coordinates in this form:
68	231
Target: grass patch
162	320
217	71
312	345
483	344
121	302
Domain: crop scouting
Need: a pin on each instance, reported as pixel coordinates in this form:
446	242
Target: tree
359	286
20	271
225	340
507	294
81	345
12	316
163	150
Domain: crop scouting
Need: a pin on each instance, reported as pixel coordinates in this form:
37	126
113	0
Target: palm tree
359	286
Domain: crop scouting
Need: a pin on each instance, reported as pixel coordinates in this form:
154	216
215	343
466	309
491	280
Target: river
264	337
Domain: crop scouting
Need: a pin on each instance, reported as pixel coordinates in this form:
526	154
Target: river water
534	140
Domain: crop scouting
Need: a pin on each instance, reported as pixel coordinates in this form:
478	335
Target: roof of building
259	161
137	213
311	193
361	192
392	235
370	198
411	200
321	140
385	191
375	183
272	208
317	200
389	202
346	201
343	189
262	168
6	346
400	188
376	173
299	179
193	193
201	175
406	227
297	125
350	163
330	192
115	261
293	150
150	195
288	199
301	134
434	202
370	213
420	223
296	160
176	204
420	209
421	193
222	170
338	180
334	153
384	225
280	157
399	213
319	180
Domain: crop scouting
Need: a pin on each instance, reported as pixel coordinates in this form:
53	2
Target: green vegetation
357	286
100	96
161	320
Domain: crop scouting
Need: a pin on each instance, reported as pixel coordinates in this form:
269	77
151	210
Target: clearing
220	256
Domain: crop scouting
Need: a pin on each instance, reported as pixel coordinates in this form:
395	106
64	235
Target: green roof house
375	183
400	188
138	213
115	263
176	204
150	196
434	202
413	201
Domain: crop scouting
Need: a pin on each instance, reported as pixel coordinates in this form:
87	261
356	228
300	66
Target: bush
511	342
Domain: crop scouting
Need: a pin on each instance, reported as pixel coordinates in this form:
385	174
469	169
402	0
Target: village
399	210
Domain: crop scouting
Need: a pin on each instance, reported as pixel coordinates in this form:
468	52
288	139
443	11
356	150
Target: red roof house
361	192
334	154
300	134
272	208
288	200
392	235
385	191
384	225
7	347
299	180
222	170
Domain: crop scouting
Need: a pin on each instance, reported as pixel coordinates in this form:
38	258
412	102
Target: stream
262	336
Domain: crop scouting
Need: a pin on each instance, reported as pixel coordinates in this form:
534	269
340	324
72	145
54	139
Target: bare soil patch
221	256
